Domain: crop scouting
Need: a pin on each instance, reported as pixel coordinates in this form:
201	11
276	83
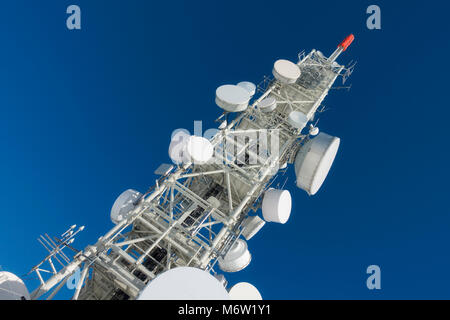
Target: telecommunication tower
203	208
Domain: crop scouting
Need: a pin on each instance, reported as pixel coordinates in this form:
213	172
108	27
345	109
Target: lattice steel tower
202	207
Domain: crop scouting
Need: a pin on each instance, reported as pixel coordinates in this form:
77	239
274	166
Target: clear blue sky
87	114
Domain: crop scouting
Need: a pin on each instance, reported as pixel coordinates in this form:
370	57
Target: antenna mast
199	212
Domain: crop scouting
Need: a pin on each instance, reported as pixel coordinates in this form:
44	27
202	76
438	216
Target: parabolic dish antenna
12	287
285	71
199	149
244	291
276	205
297	119
313	131
177	147
237	258
184	283
249	86
251	226
268	104
124	204
314	160
232	98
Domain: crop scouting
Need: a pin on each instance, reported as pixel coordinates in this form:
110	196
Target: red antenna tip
347	42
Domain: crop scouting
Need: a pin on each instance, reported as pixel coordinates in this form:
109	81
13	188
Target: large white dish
249	86
232	98
244	291
237	258
285	71
314	160
277	205
199	149
12	287
184	283
124	204
297	119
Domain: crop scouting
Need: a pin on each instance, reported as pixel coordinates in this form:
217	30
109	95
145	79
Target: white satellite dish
237	258
285	71
199	149
232	98
124	204
268	104
297	119
314	160
251	226
177	147
276	205
12	287
184	283
249	86
244	291
313	131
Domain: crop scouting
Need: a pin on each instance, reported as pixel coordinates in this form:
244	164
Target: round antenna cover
232	98
249	86
199	149
297	119
314	160
285	71
244	291
184	283
251	226
237	258
276	206
177	147
124	204
268	104
313	131
12	287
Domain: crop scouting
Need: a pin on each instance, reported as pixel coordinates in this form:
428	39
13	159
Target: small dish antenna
244	291
276	205
297	119
124	204
199	149
237	258
177	147
232	98
313	131
251	226
268	104
249	86
286	71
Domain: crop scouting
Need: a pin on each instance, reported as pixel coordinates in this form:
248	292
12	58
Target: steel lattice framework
175	222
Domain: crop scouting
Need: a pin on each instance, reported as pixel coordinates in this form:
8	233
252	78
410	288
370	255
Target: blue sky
87	114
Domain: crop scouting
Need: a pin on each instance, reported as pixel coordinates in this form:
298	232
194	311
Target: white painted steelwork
194	214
